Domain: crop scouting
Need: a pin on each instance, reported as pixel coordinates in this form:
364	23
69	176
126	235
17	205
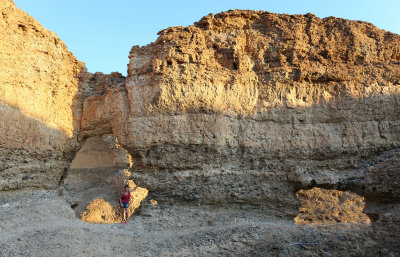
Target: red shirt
125	197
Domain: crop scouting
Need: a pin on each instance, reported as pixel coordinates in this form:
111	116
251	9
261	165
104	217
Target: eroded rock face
101	211
101	152
98	171
40	102
251	106
243	106
382	180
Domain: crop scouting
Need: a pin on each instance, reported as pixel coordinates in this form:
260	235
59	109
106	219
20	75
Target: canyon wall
39	102
243	106
250	106
295	114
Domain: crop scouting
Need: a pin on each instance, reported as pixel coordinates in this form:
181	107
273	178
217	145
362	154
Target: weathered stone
99	171
265	102
242	107
39	102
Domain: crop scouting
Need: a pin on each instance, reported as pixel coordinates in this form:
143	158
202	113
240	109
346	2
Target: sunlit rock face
250	106
42	87
243	106
39	102
101	152
326	207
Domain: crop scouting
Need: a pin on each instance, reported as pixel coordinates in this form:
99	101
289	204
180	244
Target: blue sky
102	32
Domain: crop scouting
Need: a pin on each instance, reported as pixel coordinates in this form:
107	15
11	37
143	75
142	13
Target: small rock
6	205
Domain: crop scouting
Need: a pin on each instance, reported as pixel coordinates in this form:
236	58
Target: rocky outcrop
101	211
101	153
280	111
251	106
40	102
42	88
243	106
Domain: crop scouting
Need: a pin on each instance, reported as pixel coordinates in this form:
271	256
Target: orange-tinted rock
39	102
249	62
243	106
326	207
249	106
101	211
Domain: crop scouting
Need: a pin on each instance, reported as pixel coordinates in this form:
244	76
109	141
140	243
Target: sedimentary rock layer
39	102
252	106
244	106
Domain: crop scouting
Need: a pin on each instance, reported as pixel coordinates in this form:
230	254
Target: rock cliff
251	106
245	107
39	102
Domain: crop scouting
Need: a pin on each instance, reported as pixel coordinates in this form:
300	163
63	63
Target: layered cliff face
243	106
39	102
286	112
251	106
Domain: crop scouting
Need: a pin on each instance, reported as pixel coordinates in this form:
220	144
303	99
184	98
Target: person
124	203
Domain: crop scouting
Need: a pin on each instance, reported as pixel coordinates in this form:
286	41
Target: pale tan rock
99	171
243	106
101	152
39	96
101	211
251	106
248	62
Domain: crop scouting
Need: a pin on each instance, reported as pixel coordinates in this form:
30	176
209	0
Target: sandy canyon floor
41	223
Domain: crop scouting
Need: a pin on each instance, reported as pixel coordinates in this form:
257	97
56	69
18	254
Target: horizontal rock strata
252	106
40	102
243	106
